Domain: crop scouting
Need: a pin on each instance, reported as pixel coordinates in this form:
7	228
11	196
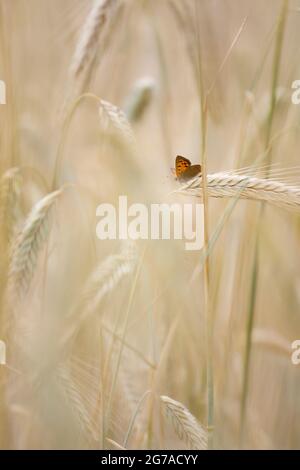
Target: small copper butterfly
184	170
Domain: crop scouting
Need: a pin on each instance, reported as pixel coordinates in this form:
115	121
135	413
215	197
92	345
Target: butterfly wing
184	170
181	165
190	172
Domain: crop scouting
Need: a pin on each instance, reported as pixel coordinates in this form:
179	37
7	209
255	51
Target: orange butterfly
184	170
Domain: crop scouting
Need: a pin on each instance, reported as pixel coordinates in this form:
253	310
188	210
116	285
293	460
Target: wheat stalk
87	46
230	185
28	244
185	424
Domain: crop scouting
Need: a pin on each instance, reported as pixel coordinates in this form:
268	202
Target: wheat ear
230	185
118	120
115	444
87	46
74	399
9	195
28	244
106	277
139	98
185	424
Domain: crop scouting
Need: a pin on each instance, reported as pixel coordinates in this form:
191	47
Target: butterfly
184	170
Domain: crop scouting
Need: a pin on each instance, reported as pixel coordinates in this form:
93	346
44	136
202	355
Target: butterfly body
184	170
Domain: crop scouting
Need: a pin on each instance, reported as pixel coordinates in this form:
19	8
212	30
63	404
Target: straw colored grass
28	245
100	333
88	43
185	424
117	118
104	279
9	196
229	185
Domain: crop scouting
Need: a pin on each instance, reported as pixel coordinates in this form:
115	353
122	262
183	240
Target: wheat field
141	344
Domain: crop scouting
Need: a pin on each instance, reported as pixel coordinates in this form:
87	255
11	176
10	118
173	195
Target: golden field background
98	334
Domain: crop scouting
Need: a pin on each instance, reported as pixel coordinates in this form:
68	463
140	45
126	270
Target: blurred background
113	344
